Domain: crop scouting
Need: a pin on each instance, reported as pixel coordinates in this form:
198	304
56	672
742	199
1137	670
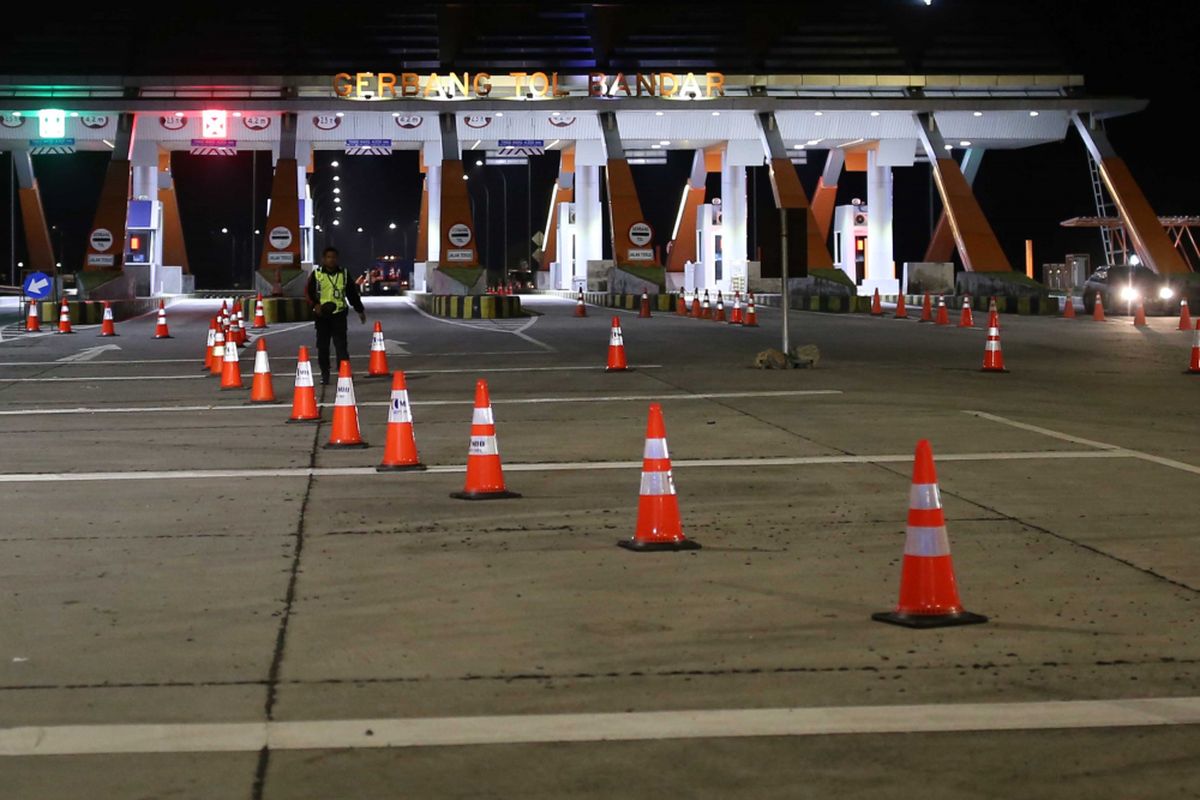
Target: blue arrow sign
37	286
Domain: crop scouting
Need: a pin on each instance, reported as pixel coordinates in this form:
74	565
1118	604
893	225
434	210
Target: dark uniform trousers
331	326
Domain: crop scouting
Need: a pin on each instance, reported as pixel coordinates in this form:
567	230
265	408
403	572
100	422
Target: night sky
1122	49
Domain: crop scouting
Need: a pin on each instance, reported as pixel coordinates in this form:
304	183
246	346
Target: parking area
198	600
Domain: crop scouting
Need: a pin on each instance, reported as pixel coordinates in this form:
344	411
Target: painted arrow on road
89	353
395	348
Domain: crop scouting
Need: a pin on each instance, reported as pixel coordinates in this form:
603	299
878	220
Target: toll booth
850	240
568	272
708	271
143	247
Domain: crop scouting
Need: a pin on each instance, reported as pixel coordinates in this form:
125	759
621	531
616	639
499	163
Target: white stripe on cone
482	416
657	483
399	410
922	541
261	365
655	448
304	377
483	446
924	496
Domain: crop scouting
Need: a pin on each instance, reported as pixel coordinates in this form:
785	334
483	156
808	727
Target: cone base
401	467
500	495
345	446
66	333
108	335
928	620
639	546
168	336
309	420
618	369
272	400
258	327
377	375
993	369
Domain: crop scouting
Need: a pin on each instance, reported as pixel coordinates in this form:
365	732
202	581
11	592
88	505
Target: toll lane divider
626	301
475	306
1023	306
550	466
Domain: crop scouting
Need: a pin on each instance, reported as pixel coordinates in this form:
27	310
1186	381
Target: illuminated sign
52	123
212	125
528	85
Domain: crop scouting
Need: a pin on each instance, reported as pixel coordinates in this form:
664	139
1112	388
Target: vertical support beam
281	239
625	210
973	236
789	192
455	202
825	196
304	168
174	249
941	244
1146	233
735	238
879	272
563	192
106	240
589	242
33	215
683	237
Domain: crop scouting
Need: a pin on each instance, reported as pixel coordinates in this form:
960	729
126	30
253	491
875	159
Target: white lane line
58	740
33	412
518	332
549	466
274	357
198	375
1067	437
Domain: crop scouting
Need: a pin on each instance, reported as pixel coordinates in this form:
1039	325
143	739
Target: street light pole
504	178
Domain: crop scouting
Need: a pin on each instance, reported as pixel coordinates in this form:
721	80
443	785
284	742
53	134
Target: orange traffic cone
644	310
160	327
208	345
400	449
616	348
926	309
735	315
260	313
719	316
966	319
751	316
1098	310
304	397
928	592
378	366
345	431
1139	318
106	325
993	356
64	317
231	370
218	352
901	308
262	390
876	304
696	304
943	316
1069	307
580	307
240	326
485	477
223	316
1185	316
705	307
658	524
32	321
1194	365
680	305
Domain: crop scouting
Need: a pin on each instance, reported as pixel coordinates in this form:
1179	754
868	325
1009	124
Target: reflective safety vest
332	289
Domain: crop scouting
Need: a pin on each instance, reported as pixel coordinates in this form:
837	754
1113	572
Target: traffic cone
580	307
262	390
64	317
231	370
345	431
658	524
926	309
943	316
400	449
751	317
1139	318
696	304
1194	365
32	321
160	328
1098	310
1069	307
901	308
260	313
735	316
377	367
876	304
644	310
485	477
966	319
719	316
705	307
208	346
106	325
928	592
993	356
1185	316
240	326
680	305
222	317
304	397
616	348
218	352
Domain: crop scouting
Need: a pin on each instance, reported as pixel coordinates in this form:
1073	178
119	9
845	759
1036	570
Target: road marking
88	353
201	376
1067	437
727	723
519	332
31	412
546	466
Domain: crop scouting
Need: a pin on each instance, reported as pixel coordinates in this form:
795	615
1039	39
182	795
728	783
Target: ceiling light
466	177
499	113
479	162
658	113
337	177
979	113
333	163
874	113
949	147
797	147
656	147
337	222
338	209
665	142
339	114
1033	113
391	226
337	191
818	113
237	113
359	229
179	113
716	113
964	143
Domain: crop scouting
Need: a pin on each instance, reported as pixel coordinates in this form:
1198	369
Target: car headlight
1166	293
1129	294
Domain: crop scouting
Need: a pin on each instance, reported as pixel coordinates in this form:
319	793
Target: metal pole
785	299
504	178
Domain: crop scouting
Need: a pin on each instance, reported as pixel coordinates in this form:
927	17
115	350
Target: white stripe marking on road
723	723
201	375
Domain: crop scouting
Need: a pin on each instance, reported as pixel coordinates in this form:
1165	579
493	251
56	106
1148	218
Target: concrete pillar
879	271
433	185
589	243
734	215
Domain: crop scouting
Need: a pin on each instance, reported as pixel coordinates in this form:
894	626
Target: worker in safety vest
331	292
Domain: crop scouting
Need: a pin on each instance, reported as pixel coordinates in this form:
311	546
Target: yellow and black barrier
629	302
469	306
91	312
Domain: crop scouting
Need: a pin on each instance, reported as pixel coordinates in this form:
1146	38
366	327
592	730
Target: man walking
331	293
